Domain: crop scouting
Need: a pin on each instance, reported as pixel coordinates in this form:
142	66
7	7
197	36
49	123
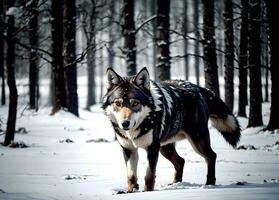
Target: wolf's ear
142	79
112	78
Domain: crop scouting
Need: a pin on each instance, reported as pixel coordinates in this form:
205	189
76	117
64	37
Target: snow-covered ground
77	158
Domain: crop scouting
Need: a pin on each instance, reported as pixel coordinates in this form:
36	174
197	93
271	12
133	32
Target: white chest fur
133	142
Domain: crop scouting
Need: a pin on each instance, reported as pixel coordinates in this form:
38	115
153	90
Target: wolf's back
222	118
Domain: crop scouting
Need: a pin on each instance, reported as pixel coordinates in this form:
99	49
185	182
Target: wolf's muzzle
125	124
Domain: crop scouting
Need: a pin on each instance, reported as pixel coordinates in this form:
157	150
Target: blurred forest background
55	52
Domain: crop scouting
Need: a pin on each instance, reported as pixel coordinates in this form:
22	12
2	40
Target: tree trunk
59	92
254	60
111	52
2	68
33	60
154	48
101	63
219	10
229	54
145	14
91	66
209	48
129	37
163	37
273	32
10	132
90	33
70	55
243	62
185	41
197	41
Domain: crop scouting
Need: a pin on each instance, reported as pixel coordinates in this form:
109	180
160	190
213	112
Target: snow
14	11
77	158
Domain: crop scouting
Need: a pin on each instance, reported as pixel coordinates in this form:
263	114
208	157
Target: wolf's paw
132	188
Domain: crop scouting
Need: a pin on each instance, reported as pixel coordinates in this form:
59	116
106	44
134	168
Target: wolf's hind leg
131	160
169	152
202	146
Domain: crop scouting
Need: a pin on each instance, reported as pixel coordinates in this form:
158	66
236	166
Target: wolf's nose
126	124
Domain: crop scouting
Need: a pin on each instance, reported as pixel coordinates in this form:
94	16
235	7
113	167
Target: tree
70	55
2	68
154	49
272	14
162	39
128	32
33	59
229	54
89	22
254	64
58	79
197	41
10	131
209	48
243	60
265	51
185	41
111	42
219	30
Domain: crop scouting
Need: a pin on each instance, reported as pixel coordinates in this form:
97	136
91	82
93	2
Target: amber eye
135	103
117	103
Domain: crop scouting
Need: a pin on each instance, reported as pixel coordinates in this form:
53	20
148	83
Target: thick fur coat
154	115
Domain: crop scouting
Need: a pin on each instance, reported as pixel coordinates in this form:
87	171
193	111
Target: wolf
155	115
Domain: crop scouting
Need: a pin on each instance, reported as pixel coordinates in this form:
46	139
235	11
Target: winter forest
53	60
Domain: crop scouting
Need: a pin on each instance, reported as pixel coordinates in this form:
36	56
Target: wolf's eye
134	104
117	103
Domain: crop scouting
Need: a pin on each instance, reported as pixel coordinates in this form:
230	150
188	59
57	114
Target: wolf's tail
222	118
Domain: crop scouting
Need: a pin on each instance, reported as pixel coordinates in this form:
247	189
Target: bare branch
145	22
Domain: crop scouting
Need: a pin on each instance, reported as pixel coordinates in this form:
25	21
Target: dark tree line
218	37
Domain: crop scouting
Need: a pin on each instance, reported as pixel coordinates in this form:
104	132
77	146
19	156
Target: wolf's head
127	98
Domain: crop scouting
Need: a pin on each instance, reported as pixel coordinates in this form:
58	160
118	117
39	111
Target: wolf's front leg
131	160
152	158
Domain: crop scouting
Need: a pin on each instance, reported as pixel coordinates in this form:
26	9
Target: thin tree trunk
146	54
243	60
154	49
264	49
273	33
70	55
111	35
2	68
209	48
197	41
101	74
229	54
33	60
266	88
59	92
163	37
219	10
185	42
10	132
91	66
129	37
254	60
90	31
